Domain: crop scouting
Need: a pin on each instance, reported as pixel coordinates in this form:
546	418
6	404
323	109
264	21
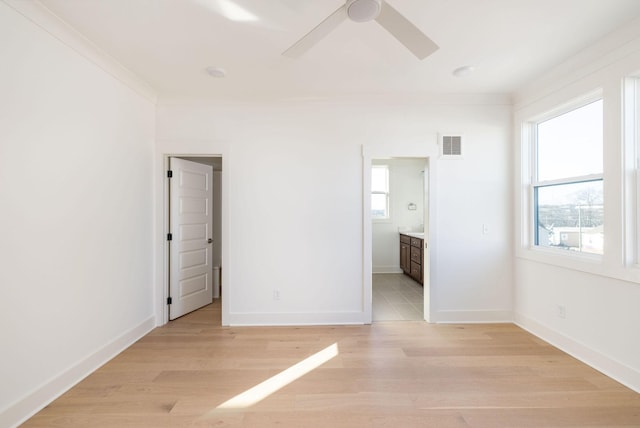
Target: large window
567	180
379	192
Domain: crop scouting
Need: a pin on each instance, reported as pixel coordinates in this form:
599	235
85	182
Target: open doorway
194	232
399	206
426	151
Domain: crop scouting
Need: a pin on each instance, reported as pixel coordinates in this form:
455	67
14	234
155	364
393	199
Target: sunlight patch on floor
261	391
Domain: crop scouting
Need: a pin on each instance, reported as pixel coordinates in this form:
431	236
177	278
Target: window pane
379	205
379	179
570	216
570	145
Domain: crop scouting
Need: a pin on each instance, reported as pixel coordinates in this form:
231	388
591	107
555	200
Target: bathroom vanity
411	250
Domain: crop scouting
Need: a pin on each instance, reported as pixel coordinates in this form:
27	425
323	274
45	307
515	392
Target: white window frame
631	182
387	218
530	136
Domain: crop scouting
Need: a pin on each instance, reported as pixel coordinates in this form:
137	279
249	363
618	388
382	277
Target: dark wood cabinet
405	253
411	256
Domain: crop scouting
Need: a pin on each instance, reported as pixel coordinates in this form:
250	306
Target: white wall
294	172
406	185
76	167
601	295
76	150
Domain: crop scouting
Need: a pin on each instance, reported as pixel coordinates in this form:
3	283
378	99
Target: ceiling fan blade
317	34
406	33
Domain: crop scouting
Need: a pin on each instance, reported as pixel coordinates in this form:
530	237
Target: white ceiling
169	43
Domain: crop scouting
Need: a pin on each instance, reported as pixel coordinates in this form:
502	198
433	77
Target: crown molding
38	14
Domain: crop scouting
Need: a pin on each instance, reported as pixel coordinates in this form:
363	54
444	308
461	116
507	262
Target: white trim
367	241
622	373
474	317
580	263
568	106
32	403
568	180
417	98
631	171
38	14
297	318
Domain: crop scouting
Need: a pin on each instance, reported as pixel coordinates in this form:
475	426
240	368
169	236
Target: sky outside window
570	145
380	191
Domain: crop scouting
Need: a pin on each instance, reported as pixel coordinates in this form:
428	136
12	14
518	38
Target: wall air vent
451	146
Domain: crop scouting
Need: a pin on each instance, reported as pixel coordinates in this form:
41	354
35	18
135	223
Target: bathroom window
380	192
567	182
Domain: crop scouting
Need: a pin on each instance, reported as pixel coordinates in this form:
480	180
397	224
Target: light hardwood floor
389	374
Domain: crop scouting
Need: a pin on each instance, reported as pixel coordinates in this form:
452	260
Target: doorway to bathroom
399	206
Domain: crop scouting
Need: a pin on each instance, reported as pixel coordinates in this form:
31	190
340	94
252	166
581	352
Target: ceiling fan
363	11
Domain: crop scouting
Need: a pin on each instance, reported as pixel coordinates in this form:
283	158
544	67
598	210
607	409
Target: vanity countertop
414	234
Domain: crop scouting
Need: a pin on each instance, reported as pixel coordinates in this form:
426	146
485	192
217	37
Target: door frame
165	150
422	150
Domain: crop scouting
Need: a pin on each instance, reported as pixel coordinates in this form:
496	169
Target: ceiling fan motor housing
363	10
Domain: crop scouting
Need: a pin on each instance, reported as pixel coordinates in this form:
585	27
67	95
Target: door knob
209	241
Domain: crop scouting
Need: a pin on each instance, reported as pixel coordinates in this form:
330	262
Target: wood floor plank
389	374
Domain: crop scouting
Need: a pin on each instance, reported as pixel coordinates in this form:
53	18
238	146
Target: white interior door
190	248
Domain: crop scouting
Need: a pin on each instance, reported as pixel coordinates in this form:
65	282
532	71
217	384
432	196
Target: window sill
588	263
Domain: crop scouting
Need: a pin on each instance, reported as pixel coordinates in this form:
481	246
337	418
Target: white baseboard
472	317
622	373
310	318
35	401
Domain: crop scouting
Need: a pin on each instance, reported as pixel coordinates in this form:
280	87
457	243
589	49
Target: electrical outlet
562	311
276	294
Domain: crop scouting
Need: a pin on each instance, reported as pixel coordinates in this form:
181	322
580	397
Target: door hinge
169	174
169	237
168	300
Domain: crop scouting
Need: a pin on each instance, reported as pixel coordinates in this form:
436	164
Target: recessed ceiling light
215	72
463	71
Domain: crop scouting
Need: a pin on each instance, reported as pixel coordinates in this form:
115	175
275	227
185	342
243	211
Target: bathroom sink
415	234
